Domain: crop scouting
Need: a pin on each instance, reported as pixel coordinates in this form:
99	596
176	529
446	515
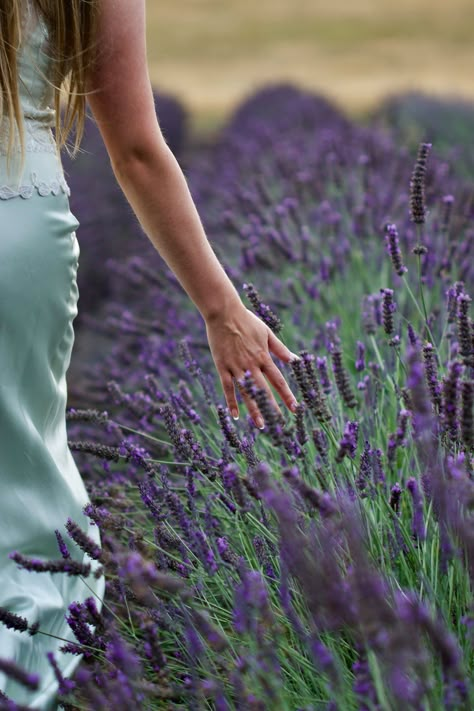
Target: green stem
423	316
420	283
381	363
143	434
397	352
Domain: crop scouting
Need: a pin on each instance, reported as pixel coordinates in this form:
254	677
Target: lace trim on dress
38	139
43	188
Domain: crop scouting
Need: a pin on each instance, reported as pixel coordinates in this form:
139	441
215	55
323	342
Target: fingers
251	405
275	377
264	373
261	383
279	349
229	394
229	383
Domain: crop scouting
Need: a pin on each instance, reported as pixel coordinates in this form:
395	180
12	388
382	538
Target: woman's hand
240	341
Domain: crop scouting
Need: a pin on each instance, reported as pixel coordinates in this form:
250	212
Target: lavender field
326	561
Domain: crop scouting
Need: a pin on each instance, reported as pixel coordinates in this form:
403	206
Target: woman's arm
122	102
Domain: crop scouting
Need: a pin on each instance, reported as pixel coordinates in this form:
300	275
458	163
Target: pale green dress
41	486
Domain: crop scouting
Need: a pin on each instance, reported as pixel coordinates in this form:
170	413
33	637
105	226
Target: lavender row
326	561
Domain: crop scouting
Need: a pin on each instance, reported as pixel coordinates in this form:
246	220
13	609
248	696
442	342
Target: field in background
211	53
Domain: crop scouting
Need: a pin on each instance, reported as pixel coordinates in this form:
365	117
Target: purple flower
377	467
120	654
450	399
321	443
452	300
342	379
363	685
62	545
321	364
251	600
395	494
301	434
309	386
322	501
365	469
87	544
417	185
368	315
467	416
65	685
413	338
431	374
360	362
14	671
214	637
448	201
69	566
348	443
418	524
466	350
398	439
388	309
228	430
393	248
263	556
222	545
262	310
420	405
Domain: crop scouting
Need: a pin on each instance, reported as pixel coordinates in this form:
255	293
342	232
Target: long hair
72	26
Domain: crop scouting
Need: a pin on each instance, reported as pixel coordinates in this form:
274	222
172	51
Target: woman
94	48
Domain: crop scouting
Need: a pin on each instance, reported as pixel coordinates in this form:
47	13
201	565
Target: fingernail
235	414
294	356
259	422
293	406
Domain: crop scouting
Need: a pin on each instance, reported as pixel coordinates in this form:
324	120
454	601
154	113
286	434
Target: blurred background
212	53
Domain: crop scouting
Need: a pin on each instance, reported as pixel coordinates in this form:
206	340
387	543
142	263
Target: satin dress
41	486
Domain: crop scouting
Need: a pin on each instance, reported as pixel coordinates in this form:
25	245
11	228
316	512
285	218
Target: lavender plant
326	561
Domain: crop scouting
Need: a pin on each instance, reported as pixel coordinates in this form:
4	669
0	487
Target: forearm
157	191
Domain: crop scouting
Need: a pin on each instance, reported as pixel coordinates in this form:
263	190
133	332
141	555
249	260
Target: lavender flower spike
464	329
30	681
63	549
393	248
12	621
360	358
467	419
450	399
348	443
83	541
69	566
417	185
342	378
262	310
388	309
431	375
418	524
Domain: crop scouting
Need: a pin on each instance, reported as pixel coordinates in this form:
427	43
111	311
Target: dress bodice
36	95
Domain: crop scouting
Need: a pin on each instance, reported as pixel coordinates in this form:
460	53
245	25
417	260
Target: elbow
138	155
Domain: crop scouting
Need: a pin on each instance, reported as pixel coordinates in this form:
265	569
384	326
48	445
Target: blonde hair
72	26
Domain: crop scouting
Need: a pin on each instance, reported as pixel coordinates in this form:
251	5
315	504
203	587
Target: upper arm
121	97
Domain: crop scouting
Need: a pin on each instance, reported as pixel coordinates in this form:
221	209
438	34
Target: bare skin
121	101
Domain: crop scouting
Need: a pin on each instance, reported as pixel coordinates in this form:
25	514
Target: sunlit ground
211	53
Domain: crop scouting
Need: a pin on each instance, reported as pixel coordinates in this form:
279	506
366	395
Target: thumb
279	349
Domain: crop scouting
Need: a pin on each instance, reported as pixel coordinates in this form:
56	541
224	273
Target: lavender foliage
329	558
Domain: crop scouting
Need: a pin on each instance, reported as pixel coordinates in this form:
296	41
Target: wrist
223	309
